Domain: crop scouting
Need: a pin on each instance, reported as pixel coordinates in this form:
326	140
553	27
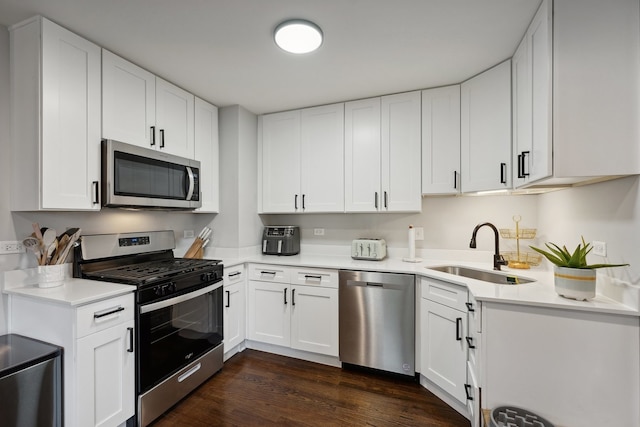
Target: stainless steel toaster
371	249
281	240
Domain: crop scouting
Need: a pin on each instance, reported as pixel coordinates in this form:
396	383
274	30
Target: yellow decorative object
517	259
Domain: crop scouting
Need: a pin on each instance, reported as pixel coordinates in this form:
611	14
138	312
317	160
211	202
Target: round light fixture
298	36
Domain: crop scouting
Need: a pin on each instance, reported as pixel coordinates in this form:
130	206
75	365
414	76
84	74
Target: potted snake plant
574	278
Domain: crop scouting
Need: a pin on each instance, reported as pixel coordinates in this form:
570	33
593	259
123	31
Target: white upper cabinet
486	130
581	112
441	140
207	151
531	74
322	158
362	160
174	119
128	102
302	160
281	162
382	154
55	87
401	163
142	109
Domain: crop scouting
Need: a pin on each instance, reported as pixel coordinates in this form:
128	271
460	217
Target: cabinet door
521	105
485	137
70	120
540	162
128	102
208	154
441	140
401	162
362	152
174	117
281	162
443	353
322	158
269	311
234	315
105	366
314	319
531	74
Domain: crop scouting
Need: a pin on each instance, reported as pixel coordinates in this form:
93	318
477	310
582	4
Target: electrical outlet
599	248
419	233
188	234
318	231
11	248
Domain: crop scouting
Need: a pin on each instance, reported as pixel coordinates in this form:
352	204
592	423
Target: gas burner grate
152	270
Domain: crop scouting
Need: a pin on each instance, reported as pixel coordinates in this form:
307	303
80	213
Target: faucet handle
499	260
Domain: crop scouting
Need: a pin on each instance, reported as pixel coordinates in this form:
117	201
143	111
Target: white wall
608	212
238	225
447	222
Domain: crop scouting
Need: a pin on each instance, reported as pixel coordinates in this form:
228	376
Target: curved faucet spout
498	260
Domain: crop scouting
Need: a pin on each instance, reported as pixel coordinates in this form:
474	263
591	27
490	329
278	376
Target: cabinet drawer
454	296
474	308
315	277
474	345
234	275
269	273
474	398
104	314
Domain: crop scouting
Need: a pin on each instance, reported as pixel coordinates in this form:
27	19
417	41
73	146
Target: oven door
175	331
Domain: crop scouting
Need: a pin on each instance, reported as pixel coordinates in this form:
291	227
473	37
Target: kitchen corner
613	297
514	331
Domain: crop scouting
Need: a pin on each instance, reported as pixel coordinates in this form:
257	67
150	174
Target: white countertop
73	292
614	298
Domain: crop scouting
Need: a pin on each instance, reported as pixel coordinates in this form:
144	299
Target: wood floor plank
256	388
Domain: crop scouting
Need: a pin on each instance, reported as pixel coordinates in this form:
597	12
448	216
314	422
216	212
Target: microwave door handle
191	183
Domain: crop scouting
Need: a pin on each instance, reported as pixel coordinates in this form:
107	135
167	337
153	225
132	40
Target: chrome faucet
498	260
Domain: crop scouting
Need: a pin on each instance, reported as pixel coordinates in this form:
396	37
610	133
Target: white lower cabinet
443	352
314	319
98	358
106	366
269	313
294	308
234	308
473	385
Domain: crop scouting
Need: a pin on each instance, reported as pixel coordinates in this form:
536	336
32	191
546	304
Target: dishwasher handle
376	285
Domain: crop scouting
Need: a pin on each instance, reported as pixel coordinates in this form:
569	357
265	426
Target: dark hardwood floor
257	388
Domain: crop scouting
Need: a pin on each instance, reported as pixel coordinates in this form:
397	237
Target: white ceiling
223	50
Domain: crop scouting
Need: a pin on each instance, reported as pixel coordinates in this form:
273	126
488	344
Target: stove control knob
158	291
207	277
172	287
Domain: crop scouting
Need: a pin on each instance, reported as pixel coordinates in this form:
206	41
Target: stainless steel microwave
137	177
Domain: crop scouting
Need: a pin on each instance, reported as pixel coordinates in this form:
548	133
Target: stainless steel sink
484	275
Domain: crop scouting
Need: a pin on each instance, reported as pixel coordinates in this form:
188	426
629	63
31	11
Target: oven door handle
181	298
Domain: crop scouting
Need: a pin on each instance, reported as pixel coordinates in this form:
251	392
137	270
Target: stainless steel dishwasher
377	320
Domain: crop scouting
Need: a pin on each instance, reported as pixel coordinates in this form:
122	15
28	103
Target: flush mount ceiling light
298	36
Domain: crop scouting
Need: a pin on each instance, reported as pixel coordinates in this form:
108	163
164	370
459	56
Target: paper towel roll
412	242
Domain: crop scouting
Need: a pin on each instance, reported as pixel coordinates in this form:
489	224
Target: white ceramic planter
575	283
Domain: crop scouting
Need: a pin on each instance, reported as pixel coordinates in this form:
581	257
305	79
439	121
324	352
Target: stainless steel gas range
178	312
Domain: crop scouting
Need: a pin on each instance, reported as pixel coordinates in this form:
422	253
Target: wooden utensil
62	244
72	239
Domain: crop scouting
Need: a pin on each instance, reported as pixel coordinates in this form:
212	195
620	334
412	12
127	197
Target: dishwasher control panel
370	249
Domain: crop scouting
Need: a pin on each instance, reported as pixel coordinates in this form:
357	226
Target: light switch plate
599	248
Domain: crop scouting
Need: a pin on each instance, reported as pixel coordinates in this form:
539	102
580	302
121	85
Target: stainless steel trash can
30	382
